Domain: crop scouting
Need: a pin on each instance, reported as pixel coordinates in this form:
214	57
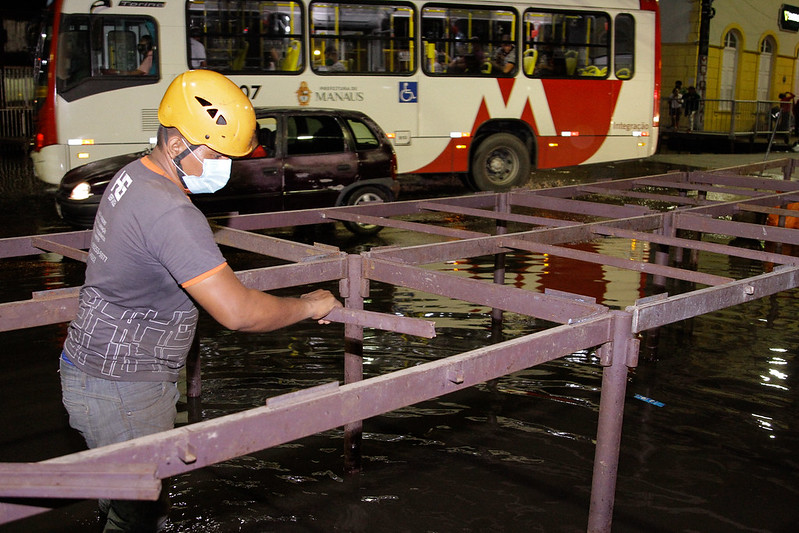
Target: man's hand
322	302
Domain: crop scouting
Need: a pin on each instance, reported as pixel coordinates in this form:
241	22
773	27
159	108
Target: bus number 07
251	90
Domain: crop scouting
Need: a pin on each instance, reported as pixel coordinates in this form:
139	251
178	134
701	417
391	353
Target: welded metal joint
605	353
455	375
186	453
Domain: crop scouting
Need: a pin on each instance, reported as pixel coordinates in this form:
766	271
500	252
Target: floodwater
716	453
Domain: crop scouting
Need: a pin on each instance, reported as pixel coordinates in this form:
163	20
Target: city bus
489	90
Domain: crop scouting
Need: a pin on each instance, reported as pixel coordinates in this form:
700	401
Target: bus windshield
91	46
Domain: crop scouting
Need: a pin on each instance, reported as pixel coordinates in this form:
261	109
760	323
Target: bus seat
529	59
593	70
571	62
241	56
623	74
486	68
291	61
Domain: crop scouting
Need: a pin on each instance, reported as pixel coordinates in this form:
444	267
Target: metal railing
697	202
732	118
16	103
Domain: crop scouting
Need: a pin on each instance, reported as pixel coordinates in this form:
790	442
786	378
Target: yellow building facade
752	48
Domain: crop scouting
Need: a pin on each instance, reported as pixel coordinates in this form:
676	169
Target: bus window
256	36
474	42
624	47
362	38
97	46
565	44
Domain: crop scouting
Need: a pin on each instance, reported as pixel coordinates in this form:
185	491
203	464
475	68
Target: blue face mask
216	174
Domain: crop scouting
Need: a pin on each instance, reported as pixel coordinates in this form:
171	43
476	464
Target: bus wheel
500	163
366	195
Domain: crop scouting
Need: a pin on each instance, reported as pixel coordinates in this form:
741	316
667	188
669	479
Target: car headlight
81	191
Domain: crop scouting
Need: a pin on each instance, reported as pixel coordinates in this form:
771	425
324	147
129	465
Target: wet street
714	451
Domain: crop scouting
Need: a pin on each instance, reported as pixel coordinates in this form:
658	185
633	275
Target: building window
764	68
729	69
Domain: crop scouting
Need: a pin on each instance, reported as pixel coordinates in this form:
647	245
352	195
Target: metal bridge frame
666	210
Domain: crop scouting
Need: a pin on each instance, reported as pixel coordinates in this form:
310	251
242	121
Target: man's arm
239	308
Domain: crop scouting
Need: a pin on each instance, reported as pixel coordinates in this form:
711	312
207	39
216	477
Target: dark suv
306	158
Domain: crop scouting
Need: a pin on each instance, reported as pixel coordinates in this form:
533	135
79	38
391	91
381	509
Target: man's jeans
106	412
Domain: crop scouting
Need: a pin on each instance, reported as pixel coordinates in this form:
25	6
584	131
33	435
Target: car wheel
500	163
365	195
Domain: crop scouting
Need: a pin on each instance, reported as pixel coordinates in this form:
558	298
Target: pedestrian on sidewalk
691	105
675	108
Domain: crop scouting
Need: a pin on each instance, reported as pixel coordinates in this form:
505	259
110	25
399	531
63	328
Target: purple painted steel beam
711	247
579	207
666	198
706	224
371	319
442	251
405	225
544	306
743	179
205	443
46	307
720	209
618	262
652	314
766	210
47	245
271	246
696	186
314	216
294	275
439	251
52	480
506	216
609	427
354	288
23	246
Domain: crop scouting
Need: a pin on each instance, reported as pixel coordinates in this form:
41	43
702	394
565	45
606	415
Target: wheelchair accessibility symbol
408	92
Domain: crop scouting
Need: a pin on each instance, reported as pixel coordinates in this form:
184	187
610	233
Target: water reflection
515	454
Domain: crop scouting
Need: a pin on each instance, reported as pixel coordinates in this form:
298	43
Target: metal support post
616	357
354	288
502	206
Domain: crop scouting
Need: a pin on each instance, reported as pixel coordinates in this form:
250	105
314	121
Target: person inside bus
197	50
332	63
470	62
146	67
504	60
546	63
153	262
146	50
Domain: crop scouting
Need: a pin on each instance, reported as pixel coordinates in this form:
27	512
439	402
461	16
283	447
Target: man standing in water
152	256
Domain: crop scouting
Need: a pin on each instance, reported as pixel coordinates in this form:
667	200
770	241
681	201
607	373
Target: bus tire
365	195
500	163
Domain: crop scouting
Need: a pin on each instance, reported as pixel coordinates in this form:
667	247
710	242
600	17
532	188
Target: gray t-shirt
135	322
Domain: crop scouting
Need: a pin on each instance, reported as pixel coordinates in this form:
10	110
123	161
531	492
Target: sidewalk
711	161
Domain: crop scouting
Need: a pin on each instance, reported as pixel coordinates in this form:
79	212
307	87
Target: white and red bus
489	89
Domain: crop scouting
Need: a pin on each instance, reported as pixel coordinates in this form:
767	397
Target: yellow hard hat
207	108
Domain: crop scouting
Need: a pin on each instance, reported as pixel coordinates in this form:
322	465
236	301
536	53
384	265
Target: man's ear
175	146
